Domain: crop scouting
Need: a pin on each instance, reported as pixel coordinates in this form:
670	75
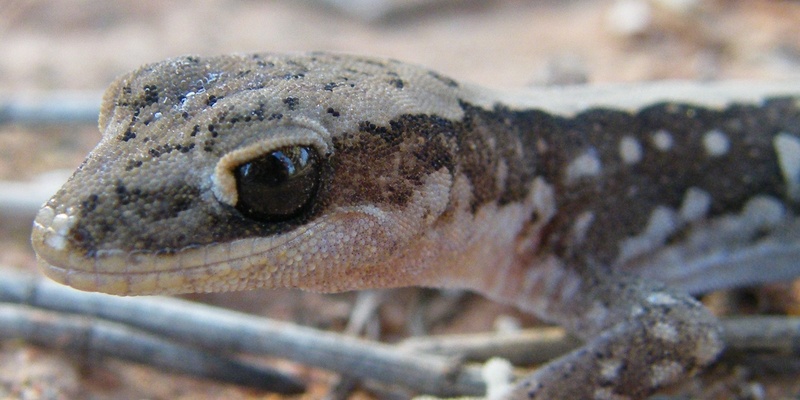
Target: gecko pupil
278	186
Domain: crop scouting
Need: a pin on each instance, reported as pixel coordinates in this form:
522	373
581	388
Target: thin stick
525	347
763	334
228	331
98	338
51	108
19	201
772	335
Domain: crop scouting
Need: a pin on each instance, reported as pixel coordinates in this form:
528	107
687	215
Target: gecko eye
278	185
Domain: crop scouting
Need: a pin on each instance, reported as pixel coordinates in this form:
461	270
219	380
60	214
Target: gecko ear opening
279	185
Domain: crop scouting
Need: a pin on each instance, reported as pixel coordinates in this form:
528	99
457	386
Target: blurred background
68	45
61	54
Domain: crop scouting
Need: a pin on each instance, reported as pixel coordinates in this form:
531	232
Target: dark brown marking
623	197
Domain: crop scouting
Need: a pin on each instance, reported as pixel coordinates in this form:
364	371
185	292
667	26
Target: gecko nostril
279	185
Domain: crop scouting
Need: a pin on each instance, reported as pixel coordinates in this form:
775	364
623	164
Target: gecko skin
596	208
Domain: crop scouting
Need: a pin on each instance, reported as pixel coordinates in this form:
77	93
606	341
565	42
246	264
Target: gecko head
226	173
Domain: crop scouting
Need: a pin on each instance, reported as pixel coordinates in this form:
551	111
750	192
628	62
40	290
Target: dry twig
91	337
228	331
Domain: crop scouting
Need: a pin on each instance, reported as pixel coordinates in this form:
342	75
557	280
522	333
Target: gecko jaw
212	268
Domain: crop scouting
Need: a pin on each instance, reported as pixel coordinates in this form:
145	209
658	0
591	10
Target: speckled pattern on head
167	124
557	200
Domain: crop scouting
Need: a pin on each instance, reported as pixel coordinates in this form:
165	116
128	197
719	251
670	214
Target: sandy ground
82	45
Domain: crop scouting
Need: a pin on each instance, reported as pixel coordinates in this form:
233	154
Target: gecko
598	208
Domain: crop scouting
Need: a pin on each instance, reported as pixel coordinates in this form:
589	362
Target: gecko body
595	208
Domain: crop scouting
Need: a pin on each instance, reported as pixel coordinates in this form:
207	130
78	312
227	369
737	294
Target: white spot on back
662	140
695	206
662	223
716	143
787	147
630	150
585	165
764	211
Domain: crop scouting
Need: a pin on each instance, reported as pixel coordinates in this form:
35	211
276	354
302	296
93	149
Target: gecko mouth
210	268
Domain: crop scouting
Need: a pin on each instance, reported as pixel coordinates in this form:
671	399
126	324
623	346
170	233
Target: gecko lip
121	273
211	268
138	273
109	271
174	281
55	259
